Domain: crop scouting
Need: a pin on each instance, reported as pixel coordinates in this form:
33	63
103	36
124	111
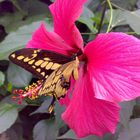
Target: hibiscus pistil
30	91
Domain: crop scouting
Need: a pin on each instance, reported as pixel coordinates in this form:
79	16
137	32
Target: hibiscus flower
109	70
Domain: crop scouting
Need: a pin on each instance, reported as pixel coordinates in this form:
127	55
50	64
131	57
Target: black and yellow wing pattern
39	62
53	68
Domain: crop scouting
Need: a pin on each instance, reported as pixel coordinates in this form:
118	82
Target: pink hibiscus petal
46	40
87	115
114	65
65	13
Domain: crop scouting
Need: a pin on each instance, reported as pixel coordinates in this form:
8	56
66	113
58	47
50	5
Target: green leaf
131	133
124	4
133	19
58	111
93	4
16	4
18	76
26	13
9	87
12	21
86	18
35	7
118	18
18	39
8	99
45	130
44	106
126	112
2	78
71	135
8	115
125	18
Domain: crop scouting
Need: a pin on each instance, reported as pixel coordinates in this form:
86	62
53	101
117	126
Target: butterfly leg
51	106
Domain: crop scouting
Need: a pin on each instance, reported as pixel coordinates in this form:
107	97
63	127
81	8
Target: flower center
31	92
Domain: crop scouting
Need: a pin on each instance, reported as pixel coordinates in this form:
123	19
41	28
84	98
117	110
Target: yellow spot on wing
13	55
44	64
39	62
58	72
55	66
31	62
27	59
75	74
38	70
20	57
55	79
43	73
47	59
49	65
46	76
34	67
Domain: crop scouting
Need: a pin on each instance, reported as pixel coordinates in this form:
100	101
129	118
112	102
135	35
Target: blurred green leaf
86	18
9	100
133	19
44	106
71	135
124	4
118	17
45	130
8	115
9	87
59	109
26	13
131	133
126	112
18	76
2	78
18	39
35	7
93	4
10	21
16	4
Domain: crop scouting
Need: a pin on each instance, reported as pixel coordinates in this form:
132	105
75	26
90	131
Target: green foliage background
31	121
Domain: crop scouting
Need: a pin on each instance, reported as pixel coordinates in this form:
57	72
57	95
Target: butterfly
53	69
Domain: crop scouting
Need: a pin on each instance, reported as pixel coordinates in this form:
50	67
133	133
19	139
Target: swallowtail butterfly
53	69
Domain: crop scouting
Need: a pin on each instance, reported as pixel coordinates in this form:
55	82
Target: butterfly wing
58	82
40	63
53	68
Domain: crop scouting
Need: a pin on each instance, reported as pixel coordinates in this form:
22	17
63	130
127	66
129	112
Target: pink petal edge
114	65
43	39
65	13
87	115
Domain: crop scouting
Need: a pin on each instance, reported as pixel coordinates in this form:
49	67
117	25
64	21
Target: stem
102	18
130	33
111	16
